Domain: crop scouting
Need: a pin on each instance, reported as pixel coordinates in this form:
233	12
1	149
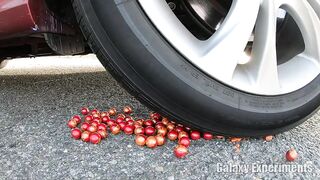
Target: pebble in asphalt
39	95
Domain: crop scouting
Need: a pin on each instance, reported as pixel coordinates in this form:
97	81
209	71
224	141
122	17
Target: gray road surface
38	96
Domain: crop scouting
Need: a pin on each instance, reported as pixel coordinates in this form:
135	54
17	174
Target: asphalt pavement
37	96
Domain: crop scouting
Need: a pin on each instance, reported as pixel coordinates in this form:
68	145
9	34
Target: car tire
132	49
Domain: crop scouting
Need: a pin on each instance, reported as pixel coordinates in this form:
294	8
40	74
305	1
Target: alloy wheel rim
219	56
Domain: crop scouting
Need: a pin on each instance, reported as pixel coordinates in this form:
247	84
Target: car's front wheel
234	67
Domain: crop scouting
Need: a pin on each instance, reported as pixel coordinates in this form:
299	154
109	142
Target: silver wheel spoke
262	68
170	26
306	14
309	24
316	6
223	50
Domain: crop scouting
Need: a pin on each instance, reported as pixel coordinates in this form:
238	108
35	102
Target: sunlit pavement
38	96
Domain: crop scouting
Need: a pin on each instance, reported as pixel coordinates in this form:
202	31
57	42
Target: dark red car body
32	27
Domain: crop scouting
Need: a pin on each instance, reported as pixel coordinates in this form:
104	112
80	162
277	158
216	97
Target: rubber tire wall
129	46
